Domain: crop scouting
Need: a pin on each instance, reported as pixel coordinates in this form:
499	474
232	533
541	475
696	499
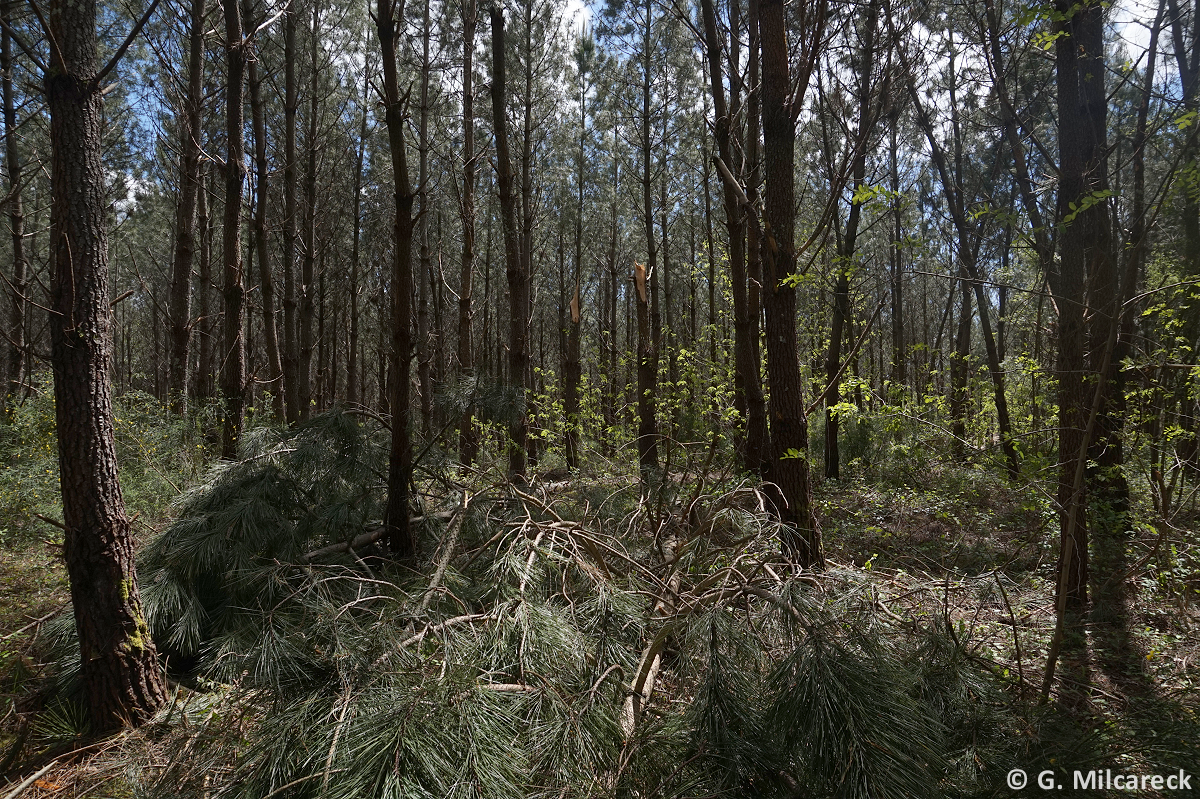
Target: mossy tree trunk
121	676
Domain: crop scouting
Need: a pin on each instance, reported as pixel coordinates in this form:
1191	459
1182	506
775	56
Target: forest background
647	398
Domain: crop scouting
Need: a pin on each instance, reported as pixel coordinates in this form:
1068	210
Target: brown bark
121	676
400	535
233	357
781	98
747	383
1077	159
518	278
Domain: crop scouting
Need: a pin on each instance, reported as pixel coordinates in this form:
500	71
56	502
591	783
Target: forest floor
947	544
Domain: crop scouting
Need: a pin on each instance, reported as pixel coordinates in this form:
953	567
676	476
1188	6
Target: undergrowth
593	637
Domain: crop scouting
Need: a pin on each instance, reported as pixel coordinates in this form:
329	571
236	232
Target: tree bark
747	384
204	338
291	103
518	278
899	377
352	367
400	535
233	360
424	351
1077	151
781	98
468	437
185	214
122	679
304	376
573	373
16	220
262	250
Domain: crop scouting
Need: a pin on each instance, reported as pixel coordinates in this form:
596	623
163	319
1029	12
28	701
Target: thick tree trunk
122	680
233	360
1107	484
789	425
262	250
518	278
400	535
1076	144
747	384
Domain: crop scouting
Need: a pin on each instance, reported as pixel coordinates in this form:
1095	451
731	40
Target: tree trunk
781	98
16	219
204	359
647	355
424	354
352	367
897	259
518	278
614	283
468	436
1107	485
400	535
1077	157
960	370
291	103
185	214
844	263
262	250
758	437
747	385
573	373
121	677
233	361
304	376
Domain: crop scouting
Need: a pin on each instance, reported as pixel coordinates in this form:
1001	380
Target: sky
1131	20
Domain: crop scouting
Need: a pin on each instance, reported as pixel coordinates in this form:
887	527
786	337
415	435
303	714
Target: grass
943	548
